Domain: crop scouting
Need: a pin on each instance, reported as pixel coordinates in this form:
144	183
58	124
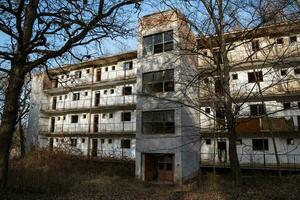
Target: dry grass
54	175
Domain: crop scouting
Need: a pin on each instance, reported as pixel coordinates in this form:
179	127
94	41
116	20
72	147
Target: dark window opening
239	142
290	141
207	110
128	65
279	40
84	116
78	74
102	141
76	96
127	90
74	119
255	46
286	105
298	104
86	93
109	141
257	110
126	116
158	43
125	144
106	69
88	71
158	81
293	39
98	75
158	122
113	68
255	77
112	91
73	142
297	71
82	140
283	72
208	141
111	115
234	76
260	144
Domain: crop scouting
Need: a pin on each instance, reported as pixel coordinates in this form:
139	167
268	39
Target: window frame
158	119
126	116
73	117
257	142
158	79
258	78
125	143
152	42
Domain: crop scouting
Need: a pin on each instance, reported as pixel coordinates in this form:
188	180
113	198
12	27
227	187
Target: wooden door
166	168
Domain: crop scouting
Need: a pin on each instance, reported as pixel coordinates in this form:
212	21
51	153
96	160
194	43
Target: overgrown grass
55	175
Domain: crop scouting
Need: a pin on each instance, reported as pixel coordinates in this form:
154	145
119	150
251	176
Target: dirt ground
45	175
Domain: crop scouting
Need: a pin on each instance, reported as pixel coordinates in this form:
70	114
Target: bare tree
38	31
222	26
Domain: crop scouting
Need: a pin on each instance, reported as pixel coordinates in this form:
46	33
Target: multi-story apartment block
137	105
88	106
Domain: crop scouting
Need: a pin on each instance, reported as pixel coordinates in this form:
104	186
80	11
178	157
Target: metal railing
86	103
259	160
112	75
92	128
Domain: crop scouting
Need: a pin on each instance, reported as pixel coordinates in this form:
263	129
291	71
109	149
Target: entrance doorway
51	143
97	99
96	124
222	151
54	103
52	125
94	147
159	167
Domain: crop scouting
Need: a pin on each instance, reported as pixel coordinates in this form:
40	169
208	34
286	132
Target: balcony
253	161
106	102
85	82
255	126
100	128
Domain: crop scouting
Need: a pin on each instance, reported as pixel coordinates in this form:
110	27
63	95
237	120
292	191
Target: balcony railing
256	125
90	128
259	160
88	103
73	81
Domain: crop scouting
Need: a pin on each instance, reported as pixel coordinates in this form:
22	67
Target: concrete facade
137	105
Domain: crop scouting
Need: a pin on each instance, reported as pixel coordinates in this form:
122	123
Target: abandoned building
137	105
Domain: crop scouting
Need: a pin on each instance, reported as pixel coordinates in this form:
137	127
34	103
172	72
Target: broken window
128	65
76	96
293	39
158	81
255	77
290	141
126	116
260	144
127	90
158	43
279	41
207	110
158	122
73	142
111	115
234	76
112	91
208	141
255	45
283	72
257	110
125	144
74	119
78	74
286	105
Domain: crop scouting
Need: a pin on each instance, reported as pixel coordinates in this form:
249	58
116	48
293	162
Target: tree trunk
234	161
22	139
10	113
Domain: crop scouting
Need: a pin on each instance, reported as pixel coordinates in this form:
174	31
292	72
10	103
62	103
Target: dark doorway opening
222	152
96	124
52	126
159	167
97	99
94	147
